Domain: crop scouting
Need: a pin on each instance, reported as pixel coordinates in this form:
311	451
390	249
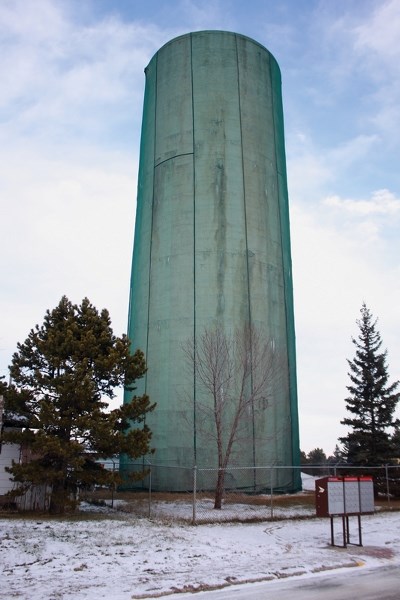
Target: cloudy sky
72	84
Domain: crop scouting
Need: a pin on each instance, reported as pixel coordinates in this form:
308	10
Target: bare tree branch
236	375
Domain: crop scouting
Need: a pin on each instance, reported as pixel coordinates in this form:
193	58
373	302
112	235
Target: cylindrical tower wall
212	240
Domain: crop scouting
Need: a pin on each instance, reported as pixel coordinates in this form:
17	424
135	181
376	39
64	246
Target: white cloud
67	181
335	269
16	19
307	174
66	77
201	13
311	170
369	221
67	229
382	202
378	51
351	151
379	34
71	104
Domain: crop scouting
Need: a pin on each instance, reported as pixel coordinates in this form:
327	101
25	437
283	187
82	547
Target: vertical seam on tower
280	228
152	210
194	262
243	185
285	290
246	237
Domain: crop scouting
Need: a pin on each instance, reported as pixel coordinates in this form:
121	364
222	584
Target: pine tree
317	457
337	456
62	376
372	400
396	443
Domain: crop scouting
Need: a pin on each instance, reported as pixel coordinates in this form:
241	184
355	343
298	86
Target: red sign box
344	496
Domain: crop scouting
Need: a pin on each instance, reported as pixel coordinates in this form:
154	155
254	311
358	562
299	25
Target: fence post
113	486
149	491
272	489
387	483
194	494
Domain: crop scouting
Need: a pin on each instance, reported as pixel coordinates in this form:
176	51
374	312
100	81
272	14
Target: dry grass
137	502
302	499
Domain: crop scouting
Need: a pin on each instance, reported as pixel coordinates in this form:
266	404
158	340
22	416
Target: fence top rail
325	466
228	468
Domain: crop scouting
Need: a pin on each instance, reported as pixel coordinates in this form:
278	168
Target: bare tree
236	376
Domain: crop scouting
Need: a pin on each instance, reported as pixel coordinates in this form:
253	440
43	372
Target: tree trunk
58	498
219	489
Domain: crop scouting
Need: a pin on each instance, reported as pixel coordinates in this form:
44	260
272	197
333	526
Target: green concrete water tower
212	242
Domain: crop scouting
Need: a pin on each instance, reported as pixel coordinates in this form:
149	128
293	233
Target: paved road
381	583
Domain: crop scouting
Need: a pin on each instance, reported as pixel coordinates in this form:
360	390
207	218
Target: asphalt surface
379	583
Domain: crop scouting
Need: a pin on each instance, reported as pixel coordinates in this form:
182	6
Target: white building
8	454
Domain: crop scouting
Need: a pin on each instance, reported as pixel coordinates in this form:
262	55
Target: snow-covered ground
120	556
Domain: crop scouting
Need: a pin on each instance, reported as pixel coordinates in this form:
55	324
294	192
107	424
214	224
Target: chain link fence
248	494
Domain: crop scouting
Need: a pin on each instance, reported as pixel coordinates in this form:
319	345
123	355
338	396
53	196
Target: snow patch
122	556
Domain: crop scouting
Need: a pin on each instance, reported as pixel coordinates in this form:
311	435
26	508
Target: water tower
212	242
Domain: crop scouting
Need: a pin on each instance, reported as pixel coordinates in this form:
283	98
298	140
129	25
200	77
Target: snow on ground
232	511
121	556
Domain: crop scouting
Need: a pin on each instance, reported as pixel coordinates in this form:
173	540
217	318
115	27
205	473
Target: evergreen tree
62	376
337	457
396	444
303	458
312	460
317	457
372	400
